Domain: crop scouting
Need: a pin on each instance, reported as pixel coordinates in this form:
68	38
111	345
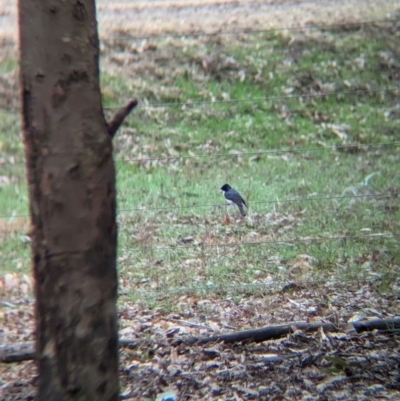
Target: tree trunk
71	179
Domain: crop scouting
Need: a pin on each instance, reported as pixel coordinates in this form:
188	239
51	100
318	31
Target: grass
323	200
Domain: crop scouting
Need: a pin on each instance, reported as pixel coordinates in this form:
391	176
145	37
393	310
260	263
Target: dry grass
179	18
141	18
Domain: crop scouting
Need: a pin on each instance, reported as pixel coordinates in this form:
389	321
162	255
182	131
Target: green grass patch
304	124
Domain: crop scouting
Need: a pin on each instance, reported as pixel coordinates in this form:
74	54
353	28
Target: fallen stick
19	352
274	332
25	351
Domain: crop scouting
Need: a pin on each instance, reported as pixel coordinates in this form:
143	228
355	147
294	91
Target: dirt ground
301	366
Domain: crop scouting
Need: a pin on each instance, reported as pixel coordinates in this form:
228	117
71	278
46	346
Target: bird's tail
241	210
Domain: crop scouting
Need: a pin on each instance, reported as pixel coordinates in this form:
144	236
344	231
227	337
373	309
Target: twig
120	116
191	324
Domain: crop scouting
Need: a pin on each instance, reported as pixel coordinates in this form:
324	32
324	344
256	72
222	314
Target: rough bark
71	178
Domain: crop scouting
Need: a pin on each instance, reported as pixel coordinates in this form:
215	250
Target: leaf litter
304	366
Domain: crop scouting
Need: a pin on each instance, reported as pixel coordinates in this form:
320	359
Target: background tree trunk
71	181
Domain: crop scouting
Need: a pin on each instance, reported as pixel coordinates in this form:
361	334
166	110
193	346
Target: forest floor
297	105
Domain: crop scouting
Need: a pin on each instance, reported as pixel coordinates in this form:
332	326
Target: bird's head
225	187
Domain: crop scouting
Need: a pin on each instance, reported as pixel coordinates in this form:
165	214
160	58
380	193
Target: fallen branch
120	116
19	352
274	332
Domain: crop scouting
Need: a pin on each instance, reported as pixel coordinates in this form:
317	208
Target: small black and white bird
233	197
